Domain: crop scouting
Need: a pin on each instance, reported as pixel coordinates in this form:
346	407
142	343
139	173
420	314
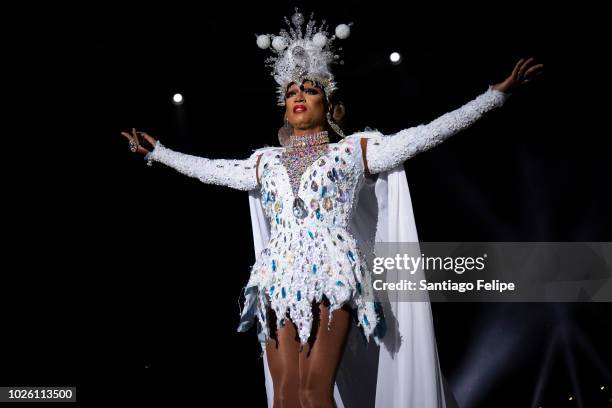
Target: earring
284	133
334	125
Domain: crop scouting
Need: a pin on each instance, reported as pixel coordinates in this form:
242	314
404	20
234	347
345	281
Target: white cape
404	372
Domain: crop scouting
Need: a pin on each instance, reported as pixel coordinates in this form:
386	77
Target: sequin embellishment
311	252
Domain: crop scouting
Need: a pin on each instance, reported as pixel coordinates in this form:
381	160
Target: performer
314	205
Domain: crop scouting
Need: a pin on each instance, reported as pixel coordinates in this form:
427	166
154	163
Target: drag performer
315	203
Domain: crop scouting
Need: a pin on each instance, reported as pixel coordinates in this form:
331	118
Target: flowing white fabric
404	371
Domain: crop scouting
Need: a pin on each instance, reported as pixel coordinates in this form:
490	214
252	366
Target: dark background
124	280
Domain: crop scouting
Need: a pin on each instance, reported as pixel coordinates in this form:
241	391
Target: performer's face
305	106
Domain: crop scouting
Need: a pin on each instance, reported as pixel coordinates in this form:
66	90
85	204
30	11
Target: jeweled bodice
311	190
311	251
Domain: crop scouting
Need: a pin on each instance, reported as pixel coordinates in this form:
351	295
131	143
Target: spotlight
395	58
571	398
177	99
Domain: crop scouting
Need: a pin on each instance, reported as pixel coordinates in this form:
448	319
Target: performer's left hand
524	71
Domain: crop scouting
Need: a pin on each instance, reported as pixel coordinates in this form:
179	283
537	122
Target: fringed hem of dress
369	315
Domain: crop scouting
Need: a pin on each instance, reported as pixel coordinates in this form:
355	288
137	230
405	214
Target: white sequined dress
308	202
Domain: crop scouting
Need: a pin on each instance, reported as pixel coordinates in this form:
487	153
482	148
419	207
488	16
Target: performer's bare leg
319	360
282	352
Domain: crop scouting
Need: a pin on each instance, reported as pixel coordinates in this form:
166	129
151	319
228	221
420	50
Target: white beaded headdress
301	55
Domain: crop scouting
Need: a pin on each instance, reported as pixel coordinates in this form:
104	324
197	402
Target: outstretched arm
386	152
238	174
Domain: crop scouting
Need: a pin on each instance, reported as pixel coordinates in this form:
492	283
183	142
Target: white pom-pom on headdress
301	55
343	31
263	41
279	43
319	40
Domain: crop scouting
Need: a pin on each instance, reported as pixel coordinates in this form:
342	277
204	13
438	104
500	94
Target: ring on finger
133	146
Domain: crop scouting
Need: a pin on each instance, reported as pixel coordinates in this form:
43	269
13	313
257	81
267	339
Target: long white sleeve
238	174
386	152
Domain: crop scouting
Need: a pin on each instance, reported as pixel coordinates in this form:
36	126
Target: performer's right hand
136	140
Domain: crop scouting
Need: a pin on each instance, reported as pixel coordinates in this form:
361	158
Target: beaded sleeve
386	152
238	174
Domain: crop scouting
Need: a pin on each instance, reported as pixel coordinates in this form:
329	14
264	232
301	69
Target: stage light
395	58
603	387
571	398
177	99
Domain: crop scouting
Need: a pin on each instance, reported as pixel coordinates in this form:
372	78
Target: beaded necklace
310	139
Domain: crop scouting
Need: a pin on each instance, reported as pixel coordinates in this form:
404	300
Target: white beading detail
238	174
386	152
315	254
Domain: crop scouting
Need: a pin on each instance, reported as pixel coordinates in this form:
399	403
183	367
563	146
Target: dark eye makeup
311	91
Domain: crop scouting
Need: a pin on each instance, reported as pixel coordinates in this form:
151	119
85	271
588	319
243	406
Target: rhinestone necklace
311	139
